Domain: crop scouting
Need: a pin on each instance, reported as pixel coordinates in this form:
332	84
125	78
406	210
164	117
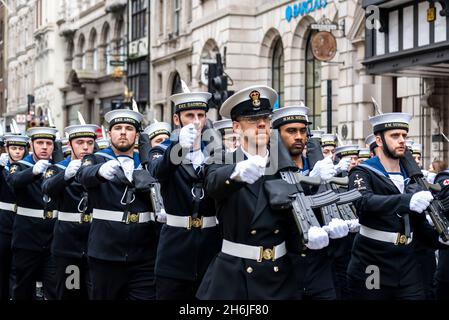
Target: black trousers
359	291
5	266
32	266
72	278
176	289
442	290
114	280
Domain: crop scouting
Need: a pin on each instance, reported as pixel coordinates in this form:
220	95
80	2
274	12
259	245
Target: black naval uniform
442	270
121	254
183	255
7	214
32	236
69	246
383	207
245	216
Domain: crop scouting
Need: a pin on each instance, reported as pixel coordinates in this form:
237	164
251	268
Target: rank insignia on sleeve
359	183
49	173
13	169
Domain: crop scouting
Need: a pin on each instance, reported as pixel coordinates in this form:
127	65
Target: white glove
318	238
109	169
337	228
162	216
40	167
249	170
127	165
420	201
343	165
187	136
431	177
425	173
353	225
323	169
72	169
4	158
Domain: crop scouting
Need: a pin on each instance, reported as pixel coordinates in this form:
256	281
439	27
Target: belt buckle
132	218
195	223
85	218
48	215
14	208
266	254
401	240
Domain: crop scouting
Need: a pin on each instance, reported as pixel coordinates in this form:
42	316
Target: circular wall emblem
324	46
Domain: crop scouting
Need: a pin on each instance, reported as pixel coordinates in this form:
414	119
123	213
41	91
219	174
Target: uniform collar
110	154
374	163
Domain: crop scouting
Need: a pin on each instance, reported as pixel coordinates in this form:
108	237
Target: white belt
74	217
188	222
117	216
8	206
36	213
391	237
253	252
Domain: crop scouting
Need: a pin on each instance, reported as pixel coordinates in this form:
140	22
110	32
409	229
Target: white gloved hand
343	165
425	173
318	238
431	177
249	170
187	136
420	201
109	169
4	158
72	169
353	225
162	216
40	167
323	169
337	228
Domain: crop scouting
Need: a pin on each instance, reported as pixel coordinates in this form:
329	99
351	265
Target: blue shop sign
304	7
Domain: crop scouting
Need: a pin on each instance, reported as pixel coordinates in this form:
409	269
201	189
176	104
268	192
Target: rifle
343	209
287	193
155	188
436	208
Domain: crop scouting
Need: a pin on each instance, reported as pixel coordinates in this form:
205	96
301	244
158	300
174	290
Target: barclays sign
304	7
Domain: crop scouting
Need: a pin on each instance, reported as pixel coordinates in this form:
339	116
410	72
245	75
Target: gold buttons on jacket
249	270
303	255
276	231
276	269
253	232
228	182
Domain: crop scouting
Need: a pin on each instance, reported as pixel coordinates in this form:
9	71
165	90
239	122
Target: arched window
277	76
82	52
93	50
313	85
175	88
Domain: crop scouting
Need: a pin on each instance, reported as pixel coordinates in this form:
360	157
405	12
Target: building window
159	82
159	112
95	59
397	101
313	85
139	19
277	75
138	80
72	114
176	16
161	17
38	13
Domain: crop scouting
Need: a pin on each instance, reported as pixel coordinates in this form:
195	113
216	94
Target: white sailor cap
82	131
328	140
66	150
158	128
251	101
16	140
42	133
316	134
191	101
370	141
290	114
223	124
124	116
390	121
417	149
348	150
102	143
364	153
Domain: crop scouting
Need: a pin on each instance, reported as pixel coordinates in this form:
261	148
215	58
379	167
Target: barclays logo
303	8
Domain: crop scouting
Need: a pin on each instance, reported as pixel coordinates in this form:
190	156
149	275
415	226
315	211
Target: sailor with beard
383	263
122	237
